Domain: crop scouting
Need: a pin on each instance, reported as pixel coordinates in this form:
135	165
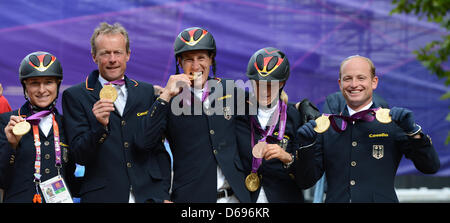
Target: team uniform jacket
112	161
199	143
360	163
17	165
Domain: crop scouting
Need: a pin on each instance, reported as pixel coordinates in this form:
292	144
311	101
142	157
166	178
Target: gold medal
258	149
252	182
323	123
21	128
108	92
382	115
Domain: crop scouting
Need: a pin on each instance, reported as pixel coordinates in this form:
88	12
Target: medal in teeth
197	75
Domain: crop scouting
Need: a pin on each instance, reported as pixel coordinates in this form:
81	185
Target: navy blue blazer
360	163
112	161
278	182
199	143
17	165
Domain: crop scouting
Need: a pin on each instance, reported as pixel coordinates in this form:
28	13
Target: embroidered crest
283	143
227	113
378	151
65	154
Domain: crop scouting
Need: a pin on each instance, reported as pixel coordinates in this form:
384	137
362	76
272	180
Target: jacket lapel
93	86
131	86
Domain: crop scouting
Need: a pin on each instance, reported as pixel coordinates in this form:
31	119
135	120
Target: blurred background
316	35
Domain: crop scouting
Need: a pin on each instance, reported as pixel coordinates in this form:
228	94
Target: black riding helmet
268	64
40	64
195	38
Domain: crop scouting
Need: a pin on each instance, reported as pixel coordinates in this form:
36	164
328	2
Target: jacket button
129	165
353	163
123	122
46	143
47	156
352	182
47	170
215	152
354	143
211	132
125	144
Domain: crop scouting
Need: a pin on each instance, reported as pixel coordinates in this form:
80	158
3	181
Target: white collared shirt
198	93
351	111
264	115
46	124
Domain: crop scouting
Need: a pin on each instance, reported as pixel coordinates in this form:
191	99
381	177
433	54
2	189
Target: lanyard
37	144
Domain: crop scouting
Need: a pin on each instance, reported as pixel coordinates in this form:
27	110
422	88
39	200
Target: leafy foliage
434	54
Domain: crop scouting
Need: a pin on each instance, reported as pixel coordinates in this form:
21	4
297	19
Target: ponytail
284	96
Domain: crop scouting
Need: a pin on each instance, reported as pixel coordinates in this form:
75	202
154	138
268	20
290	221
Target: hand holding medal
382	115
15	129
21	128
323	123
252	181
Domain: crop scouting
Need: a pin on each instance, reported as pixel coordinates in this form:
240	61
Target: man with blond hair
101	115
360	154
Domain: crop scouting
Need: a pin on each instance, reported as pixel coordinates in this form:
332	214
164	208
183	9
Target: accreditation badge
55	190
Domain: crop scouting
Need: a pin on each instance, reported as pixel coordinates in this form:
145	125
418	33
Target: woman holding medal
267	141
34	157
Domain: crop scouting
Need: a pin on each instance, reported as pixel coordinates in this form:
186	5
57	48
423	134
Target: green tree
434	54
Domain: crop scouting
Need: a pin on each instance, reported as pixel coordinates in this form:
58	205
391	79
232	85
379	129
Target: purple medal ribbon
256	162
36	118
116	82
366	115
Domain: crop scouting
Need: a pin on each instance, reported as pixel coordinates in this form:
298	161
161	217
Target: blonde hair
105	28
372	66
284	96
